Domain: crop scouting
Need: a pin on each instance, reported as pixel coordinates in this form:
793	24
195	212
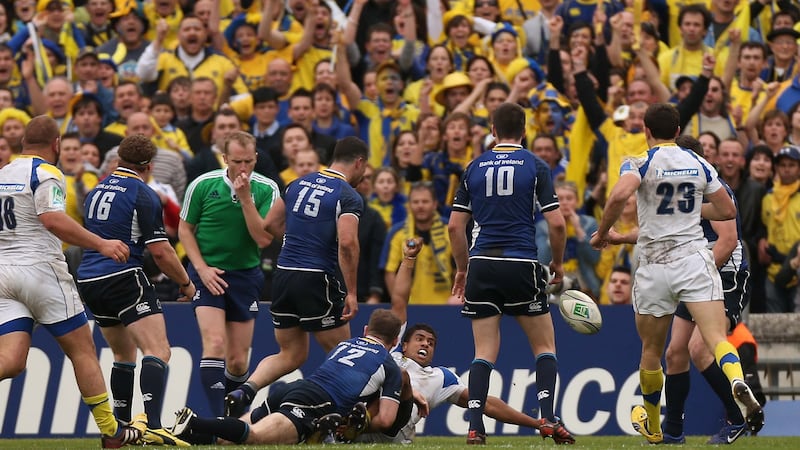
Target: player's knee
236	364
11	366
162	352
213	346
700	354
676	356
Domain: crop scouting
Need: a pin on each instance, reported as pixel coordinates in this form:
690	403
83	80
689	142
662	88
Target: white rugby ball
580	312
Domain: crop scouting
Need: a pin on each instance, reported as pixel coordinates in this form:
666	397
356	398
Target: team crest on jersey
661	173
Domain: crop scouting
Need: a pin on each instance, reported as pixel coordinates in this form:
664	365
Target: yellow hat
453	13
41	5
122	8
517	65
13	113
452	80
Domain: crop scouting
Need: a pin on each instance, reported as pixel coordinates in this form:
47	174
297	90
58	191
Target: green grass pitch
587	442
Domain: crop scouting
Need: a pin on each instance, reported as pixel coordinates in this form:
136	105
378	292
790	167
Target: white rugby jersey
437	385
670	197
29	186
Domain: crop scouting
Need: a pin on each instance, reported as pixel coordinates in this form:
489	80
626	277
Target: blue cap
504	27
790	151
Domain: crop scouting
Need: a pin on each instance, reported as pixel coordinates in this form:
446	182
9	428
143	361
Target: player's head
419	342
384	325
239	153
351	152
661	122
508	122
135	152
42	138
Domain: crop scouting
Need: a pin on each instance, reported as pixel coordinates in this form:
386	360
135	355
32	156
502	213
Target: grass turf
587	442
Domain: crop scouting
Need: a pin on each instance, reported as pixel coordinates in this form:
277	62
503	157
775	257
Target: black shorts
240	300
736	289
304	402
121	298
515	288
313	301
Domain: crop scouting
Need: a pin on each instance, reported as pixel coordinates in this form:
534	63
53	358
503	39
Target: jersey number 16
100	207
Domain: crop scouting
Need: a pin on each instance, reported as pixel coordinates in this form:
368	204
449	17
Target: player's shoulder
44	170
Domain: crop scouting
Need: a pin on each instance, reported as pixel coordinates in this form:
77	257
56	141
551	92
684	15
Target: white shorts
658	288
43	292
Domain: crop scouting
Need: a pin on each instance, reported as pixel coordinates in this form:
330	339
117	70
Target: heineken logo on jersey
57	196
661	173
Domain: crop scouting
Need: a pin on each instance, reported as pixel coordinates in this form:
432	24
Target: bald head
139	123
41	132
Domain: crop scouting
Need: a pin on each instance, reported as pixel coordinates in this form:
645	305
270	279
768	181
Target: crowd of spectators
419	81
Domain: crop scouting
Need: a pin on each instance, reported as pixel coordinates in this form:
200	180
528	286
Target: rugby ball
580	312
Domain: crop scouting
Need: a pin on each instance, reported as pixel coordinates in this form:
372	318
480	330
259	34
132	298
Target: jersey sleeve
351	202
149	216
632	167
393	382
268	193
193	202
451	386
712	178
50	195
545	192
461	201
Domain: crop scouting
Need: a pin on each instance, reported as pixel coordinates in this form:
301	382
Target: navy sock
676	389
546	371
722	387
152	381
249	390
479	373
122	389
212	376
233	382
228	428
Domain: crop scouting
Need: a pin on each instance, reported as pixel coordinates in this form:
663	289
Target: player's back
23	238
356	369
314	204
501	189
121	207
670	198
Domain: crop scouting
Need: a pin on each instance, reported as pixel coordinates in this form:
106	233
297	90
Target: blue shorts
240	300
514	288
313	301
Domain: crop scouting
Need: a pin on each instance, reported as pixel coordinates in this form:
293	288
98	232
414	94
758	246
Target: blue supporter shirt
502	189
356	369
121	207
314	204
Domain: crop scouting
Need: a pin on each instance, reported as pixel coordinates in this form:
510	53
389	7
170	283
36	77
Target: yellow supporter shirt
743	98
621	145
173	20
213	66
428	288
381	126
679	61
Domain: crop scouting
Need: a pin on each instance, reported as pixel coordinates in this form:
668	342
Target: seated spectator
168	136
306	161
12	127
293	139
87	115
619	286
5	152
168	166
326	115
386	197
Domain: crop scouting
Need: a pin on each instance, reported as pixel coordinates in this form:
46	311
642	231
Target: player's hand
187	292
459	282
115	250
598	242
412	247
212	280
241	184
614	237
350	307
422	404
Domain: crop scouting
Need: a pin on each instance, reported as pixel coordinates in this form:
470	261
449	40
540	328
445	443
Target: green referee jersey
212	207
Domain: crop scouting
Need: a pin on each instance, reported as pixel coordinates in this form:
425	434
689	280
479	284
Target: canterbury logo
474	404
543	394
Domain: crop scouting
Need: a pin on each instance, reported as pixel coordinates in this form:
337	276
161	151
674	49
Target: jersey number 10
505	181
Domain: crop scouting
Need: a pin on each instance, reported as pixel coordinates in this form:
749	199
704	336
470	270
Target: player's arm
626	186
499	410
275	221
253	220
347	232
457	227
71	232
167	261
405	278
210	275
720	206
727	240
557	228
